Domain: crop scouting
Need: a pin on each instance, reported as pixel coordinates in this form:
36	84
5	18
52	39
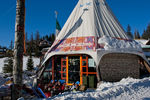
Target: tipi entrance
72	68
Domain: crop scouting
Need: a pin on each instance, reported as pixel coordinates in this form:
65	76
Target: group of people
56	87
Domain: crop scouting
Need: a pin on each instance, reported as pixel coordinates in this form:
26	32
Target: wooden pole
18	49
147	66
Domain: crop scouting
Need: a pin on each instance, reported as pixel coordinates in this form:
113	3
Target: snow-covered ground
126	89
25	59
1	63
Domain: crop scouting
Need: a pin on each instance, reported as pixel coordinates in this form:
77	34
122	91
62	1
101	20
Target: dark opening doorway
73	69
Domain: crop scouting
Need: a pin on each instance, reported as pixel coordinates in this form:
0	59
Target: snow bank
25	59
126	89
1	64
142	42
113	43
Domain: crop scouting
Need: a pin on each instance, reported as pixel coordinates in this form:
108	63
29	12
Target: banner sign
75	44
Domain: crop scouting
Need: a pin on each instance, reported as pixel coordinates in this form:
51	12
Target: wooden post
147	66
18	49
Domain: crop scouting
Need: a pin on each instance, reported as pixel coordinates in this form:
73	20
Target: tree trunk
18	49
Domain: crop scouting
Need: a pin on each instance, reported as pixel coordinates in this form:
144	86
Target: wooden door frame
67	76
81	68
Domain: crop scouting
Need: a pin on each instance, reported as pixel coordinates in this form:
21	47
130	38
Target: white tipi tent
93	29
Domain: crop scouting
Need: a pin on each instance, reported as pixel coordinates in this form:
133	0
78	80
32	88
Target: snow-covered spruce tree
146	33
30	63
129	33
8	65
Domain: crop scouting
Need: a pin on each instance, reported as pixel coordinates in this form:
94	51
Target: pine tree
146	33
46	37
129	33
26	37
37	37
37	41
32	43
11	45
30	63
138	35
31	46
53	38
135	34
148	28
8	65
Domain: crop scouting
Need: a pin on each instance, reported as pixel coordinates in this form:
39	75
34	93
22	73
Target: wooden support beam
147	66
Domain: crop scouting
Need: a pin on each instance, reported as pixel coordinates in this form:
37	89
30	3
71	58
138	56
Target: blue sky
40	15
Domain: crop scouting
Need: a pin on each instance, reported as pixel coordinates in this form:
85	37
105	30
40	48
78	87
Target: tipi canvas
92	29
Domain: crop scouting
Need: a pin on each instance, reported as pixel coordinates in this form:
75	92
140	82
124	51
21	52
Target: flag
58	28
